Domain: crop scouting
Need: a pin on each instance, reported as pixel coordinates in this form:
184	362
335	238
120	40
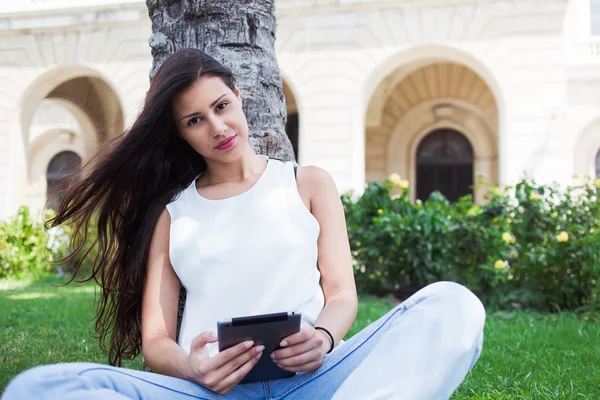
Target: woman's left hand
302	351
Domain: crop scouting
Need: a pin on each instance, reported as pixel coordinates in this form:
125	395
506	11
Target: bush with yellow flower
533	244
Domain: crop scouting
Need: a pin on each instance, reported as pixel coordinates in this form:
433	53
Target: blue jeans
421	349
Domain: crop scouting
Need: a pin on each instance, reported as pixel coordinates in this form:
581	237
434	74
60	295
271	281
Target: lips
225	144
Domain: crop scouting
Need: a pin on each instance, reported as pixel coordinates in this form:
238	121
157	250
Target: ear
238	93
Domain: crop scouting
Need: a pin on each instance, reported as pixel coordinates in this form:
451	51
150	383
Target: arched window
445	164
598	164
61	165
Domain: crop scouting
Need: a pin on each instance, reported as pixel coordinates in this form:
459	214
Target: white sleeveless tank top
254	253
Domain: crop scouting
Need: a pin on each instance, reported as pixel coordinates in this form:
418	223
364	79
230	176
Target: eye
193	121
222	106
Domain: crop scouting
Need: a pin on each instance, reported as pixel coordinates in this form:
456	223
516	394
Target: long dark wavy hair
122	191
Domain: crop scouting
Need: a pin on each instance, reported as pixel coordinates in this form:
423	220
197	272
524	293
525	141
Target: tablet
267	330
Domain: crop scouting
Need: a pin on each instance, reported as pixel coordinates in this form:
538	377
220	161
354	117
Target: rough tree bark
240	34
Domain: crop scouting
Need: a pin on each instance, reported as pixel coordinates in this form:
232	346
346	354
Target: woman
183	199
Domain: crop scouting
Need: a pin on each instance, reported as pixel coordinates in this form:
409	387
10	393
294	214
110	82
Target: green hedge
25	247
530	245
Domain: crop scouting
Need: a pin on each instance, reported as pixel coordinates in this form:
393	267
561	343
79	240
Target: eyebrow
199	113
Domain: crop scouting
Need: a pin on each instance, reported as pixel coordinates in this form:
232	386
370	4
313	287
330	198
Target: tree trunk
240	34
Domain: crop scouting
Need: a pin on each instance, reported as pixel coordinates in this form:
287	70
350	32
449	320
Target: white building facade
438	91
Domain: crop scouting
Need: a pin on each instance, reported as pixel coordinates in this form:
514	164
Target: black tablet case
268	330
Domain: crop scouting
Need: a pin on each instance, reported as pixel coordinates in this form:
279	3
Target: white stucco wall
536	57
518	50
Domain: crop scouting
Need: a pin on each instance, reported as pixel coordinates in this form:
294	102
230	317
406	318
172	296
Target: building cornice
44	15
49	19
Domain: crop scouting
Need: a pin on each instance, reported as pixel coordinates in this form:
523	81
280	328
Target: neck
248	165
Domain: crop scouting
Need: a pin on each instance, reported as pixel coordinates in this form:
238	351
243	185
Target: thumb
200	341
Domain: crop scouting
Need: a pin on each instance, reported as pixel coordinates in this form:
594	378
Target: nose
217	126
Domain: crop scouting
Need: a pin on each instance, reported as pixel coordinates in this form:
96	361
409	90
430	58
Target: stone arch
58	125
81	85
48	118
420	62
417	98
87	95
415	57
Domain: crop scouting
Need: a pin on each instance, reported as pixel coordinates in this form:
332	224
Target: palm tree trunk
240	34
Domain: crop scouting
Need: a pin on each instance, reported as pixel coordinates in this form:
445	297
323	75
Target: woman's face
209	117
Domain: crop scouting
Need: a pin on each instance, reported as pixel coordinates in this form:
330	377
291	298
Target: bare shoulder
162	231
164	220
315	180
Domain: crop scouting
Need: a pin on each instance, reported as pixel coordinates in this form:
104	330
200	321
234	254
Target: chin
228	156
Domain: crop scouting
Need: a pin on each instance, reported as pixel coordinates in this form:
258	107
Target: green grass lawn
526	355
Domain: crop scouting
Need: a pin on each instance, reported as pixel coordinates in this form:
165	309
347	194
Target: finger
232	365
308	367
236	376
300	359
300	348
303	335
202	339
224	356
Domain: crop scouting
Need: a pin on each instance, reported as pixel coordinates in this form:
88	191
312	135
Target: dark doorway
291	128
62	165
445	164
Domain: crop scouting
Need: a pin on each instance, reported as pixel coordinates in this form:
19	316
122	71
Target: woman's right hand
224	370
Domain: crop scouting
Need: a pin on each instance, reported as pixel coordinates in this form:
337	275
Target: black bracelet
328	334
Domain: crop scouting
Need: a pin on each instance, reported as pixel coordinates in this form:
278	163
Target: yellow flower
496	191
508	237
598	183
380	211
398	181
592	230
535	196
562	237
500	264
395	178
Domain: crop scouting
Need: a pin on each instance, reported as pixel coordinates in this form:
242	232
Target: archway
67	110
445	164
410	104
